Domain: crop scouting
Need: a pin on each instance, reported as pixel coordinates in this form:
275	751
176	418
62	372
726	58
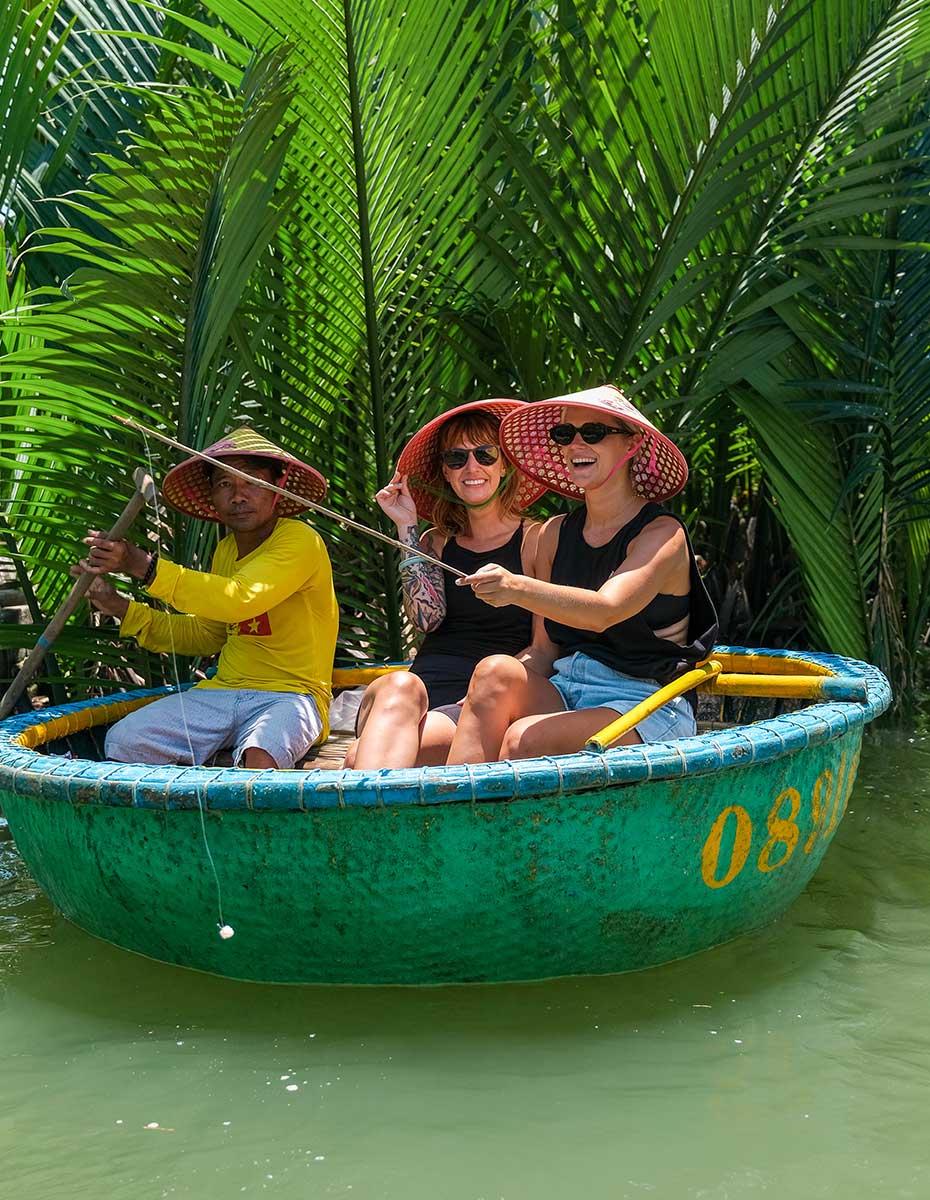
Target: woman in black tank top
623	605
451	473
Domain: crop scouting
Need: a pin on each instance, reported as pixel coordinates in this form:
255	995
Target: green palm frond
164	320
29	52
854	397
88	59
712	201
210	289
396	205
393	149
671	169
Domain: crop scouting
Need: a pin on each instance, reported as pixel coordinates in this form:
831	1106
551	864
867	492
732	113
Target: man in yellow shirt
267	606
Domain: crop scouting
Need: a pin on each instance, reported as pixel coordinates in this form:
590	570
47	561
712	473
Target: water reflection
25	915
793	1061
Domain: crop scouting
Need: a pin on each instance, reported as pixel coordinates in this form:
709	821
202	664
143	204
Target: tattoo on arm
424	589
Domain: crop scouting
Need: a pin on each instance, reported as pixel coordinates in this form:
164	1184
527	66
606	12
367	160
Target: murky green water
795	1063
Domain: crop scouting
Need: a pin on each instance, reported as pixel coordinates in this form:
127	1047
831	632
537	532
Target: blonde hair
450	515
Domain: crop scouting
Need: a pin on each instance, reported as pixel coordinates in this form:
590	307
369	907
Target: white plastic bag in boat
344	709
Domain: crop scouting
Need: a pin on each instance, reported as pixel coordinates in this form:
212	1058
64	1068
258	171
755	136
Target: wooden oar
145	492
280	491
684	683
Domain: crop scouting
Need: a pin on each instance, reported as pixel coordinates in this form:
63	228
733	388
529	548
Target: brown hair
450	516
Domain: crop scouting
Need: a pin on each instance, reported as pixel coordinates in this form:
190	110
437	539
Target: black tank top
631	646
471	629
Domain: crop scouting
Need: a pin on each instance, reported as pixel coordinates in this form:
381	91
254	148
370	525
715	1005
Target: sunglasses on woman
591	432
457	457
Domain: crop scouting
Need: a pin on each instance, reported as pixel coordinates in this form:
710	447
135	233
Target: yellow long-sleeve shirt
271	615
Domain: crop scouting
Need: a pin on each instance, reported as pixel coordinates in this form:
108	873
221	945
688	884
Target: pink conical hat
658	468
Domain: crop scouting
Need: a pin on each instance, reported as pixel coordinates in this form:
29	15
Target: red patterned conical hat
658	468
419	459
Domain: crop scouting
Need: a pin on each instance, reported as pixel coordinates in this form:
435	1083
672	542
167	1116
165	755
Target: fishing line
273	487
226	931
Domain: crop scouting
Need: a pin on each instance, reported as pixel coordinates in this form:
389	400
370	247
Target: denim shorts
583	682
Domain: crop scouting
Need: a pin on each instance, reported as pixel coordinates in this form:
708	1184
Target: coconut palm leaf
208	292
29	53
437	200
707	202
393	150
854	399
164	320
73	103
665	211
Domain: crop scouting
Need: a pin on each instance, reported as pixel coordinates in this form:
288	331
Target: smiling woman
451	473
621	605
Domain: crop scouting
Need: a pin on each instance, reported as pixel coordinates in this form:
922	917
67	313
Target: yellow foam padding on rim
764	664
78	721
746	664
346	677
748	683
108	714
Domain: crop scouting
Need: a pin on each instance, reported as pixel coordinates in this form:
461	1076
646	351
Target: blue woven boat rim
82	781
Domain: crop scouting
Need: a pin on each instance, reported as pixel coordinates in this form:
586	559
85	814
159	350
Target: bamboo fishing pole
273	487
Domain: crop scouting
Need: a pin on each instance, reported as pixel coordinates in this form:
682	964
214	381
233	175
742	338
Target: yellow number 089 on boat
827	804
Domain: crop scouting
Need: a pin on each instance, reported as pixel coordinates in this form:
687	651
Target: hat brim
658	469
419	459
187	488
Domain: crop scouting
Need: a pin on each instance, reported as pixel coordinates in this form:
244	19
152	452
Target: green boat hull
501	872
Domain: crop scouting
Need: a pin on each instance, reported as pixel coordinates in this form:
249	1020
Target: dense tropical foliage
334	220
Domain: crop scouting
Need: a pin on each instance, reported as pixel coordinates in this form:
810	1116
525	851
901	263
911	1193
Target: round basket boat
578	864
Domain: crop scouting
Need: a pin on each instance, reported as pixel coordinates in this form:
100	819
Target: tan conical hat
187	487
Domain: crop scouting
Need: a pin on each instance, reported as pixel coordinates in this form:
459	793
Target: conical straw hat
658	468
419	459
187	487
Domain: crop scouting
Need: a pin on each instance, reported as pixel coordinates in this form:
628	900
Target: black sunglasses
457	457
591	432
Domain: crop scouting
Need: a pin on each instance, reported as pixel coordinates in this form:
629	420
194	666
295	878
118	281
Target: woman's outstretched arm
656	562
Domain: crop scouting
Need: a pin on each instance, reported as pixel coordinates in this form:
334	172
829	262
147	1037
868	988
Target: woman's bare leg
437	735
390	720
559	733
501	691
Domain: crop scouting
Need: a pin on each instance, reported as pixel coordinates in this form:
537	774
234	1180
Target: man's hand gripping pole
144	493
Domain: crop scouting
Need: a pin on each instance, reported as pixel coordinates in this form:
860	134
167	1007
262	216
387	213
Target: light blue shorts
190	727
583	682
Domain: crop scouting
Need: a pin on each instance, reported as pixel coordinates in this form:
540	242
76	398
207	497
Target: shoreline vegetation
335	222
